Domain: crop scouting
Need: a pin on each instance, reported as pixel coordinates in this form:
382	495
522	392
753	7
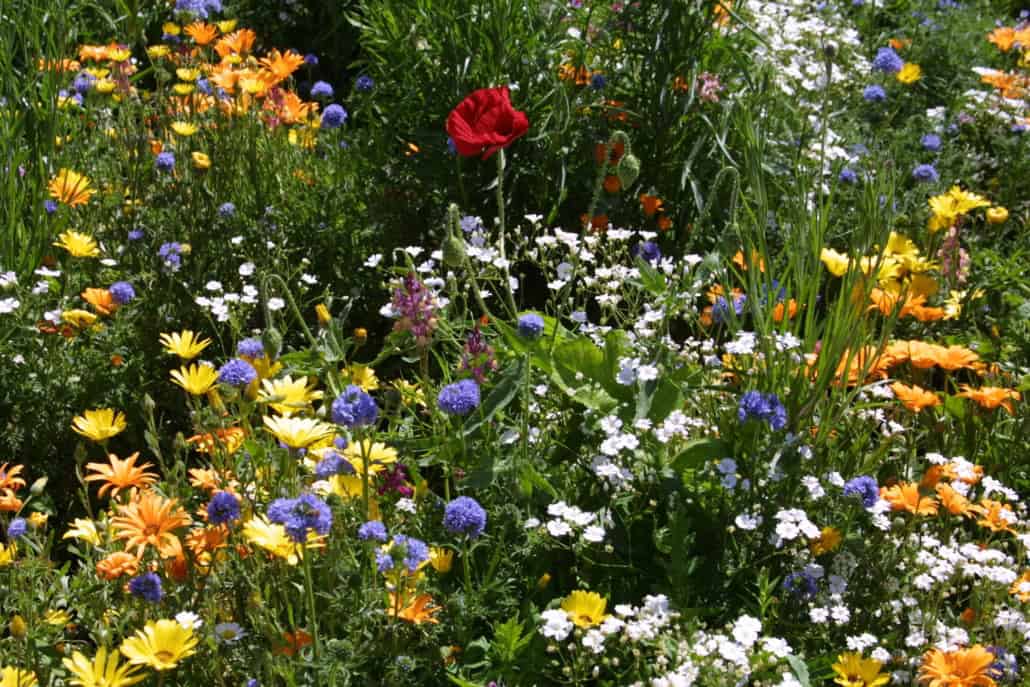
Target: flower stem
510	299
310	588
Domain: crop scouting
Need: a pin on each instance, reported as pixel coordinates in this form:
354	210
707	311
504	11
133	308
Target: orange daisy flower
70	188
956	503
202	33
281	65
101	300
293	110
149	519
230	439
997	516
990	397
210	480
9	478
906	496
119	474
915	398
957	357
1021	587
9	502
203	540
238	42
117	564
961	668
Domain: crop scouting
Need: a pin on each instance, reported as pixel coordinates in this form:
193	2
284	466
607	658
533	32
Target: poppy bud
272	340
628	170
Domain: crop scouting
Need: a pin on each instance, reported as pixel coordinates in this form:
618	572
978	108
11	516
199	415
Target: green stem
468	568
310	588
503	234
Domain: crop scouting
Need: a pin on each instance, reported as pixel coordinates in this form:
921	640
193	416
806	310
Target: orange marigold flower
915	398
119	474
70	188
960	668
202	33
991	397
117	564
101	300
997	516
906	496
149	519
1021	587
9	477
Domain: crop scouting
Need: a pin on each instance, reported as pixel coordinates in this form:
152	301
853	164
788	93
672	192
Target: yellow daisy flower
585	609
298	432
910	73
71	188
77	244
288	395
103	671
160	645
379	455
184	344
184	128
100	424
83	529
16	677
362	376
196	379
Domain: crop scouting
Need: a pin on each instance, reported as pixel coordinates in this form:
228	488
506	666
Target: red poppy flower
484	122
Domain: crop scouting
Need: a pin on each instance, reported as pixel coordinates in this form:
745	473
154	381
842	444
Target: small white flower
189	620
594	534
9	305
532	523
276	304
374	260
558	528
213	285
247	269
407	505
556	624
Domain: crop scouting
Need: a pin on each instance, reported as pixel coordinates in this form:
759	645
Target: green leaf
499	397
696	452
955	406
800	670
462	682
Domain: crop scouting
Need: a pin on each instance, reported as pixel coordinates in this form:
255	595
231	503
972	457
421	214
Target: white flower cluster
567	520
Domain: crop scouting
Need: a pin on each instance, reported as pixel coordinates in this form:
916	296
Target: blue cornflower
1005	667
333	117
147	586
925	173
801	584
931	142
874	93
364	83
135	234
647	250
598	82
297	516
253	682
17	529
721	308
865	487
887	61
354	408
226	210
333	464
237	372
754	405
470	224
50	206
165	161
171	254
384	561
223	508
530	325
373	529
204	86
413	552
84	82
251	348
122	292
321	89
227	633
311	60
460	398
340	443
464	515
848	176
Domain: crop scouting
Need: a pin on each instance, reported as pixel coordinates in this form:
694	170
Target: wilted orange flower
202	33
229	439
650	204
419	610
70	188
997	516
991	397
101	300
149	519
960	668
9	477
117	564
236	43
292	643
119	474
915	398
905	496
281	65
1021	587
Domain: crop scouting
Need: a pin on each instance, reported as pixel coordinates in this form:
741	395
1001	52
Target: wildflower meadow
501	343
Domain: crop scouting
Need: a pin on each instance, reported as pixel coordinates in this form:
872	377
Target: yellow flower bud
324	318
544	580
360	335
997	215
201	161
18	627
